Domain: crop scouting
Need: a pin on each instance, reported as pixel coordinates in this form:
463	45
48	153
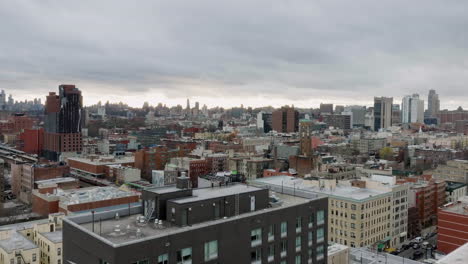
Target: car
417	254
396	252
405	246
418	239
416	246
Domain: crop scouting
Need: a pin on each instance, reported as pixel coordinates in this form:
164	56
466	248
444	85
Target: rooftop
456	208
91	194
341	192
210	193
17	241
104	160
55	237
458	256
454	185
56	180
125	229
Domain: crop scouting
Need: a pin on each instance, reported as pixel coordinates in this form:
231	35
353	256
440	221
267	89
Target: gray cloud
298	51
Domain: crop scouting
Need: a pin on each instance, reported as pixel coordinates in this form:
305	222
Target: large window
311	221
319	252
320	235
256	237
284	229
211	250
284	248
163	259
256	256
184	256
298	224
310	238
320	217
298	259
298	244
271	253
271	233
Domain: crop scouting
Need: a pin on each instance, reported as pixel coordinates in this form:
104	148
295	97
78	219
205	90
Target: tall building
326	108
285	120
305	134
264	122
382	112
63	121
412	109
229	224
433	103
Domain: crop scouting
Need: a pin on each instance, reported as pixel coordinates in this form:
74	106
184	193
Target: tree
386	153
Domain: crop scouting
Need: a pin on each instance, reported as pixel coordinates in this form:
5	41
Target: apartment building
32	242
454	191
357	217
229	224
454	170
452	226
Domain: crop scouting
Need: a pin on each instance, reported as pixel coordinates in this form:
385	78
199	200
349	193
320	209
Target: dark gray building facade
228	224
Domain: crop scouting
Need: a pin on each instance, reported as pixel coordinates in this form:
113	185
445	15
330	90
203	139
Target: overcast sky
231	52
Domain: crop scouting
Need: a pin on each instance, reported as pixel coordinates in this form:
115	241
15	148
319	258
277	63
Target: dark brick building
285	120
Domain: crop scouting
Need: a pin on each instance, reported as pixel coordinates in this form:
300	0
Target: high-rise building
230	224
285	120
382	112
63	121
326	108
433	103
305	134
412	109
264	122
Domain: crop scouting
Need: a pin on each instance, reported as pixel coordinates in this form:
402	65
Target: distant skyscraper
285	120
433	103
412	109
382	112
63	121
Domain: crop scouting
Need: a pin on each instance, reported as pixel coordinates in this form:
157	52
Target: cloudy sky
232	52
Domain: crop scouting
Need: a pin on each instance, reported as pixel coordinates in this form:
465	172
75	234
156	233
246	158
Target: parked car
405	246
416	246
417	254
419	239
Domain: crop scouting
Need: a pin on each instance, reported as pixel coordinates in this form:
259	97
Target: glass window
320	235
256	256
163	259
34	256
319	252
320	217
284	229
284	247
310	238
211	250
184	256
311	221
271	233
256	237
59	251
353	207
298	224
298	259
298	244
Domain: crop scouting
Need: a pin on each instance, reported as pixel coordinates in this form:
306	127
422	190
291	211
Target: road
409	252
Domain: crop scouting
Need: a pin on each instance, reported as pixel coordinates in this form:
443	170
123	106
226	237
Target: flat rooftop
105	160
457	208
210	193
91	194
341	192
17	241
56	180
458	256
124	230
55	237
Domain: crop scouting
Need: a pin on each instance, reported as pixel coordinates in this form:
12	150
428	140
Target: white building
412	109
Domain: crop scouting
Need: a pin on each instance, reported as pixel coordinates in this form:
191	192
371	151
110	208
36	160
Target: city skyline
238	52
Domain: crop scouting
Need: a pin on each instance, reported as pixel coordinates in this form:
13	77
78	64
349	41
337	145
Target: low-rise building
454	170
454	190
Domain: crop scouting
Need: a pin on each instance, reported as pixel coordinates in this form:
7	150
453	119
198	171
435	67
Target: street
409	252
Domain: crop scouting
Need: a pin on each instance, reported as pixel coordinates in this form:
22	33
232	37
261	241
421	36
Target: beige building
455	170
32	242
338	254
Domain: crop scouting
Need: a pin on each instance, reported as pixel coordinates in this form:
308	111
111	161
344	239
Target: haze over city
254	53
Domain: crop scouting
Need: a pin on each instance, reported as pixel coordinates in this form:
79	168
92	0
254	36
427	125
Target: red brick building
155	158
452	227
285	120
98	166
447	116
32	141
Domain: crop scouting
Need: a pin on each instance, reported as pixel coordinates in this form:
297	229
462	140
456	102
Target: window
284	248
184	256
256	237
353	207
320	235
271	253
163	259
320	217
311	221
298	259
298	225
319	252
271	233
59	261
353	216
284	229
59	251
34	257
256	256
211	250
141	262
310	238
353	225
298	244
